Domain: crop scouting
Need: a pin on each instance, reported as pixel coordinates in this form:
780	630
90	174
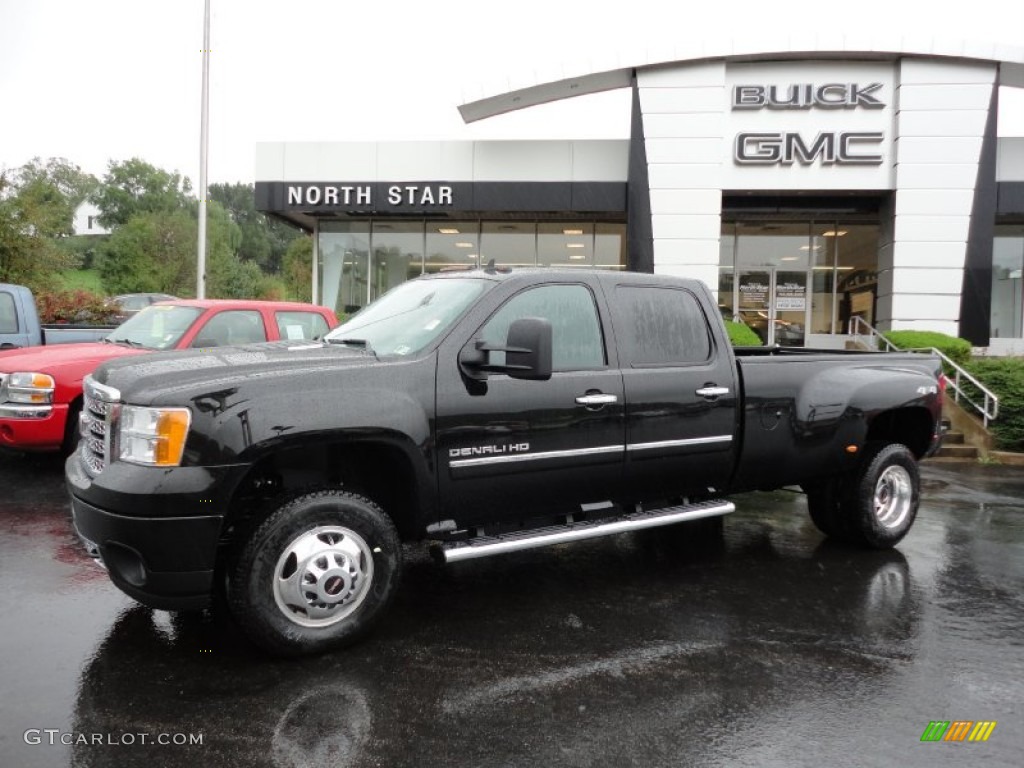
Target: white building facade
807	189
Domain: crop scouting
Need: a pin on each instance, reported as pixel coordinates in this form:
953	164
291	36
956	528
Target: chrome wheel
322	576
894	495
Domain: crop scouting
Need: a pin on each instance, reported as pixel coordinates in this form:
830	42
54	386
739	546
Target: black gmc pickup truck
488	412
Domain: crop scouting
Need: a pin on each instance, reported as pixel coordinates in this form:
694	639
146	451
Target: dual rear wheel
876	505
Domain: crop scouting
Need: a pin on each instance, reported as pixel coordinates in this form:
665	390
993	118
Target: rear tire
880	505
823	505
874	506
316	574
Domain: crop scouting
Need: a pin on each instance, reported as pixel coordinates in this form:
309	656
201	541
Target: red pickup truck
41	387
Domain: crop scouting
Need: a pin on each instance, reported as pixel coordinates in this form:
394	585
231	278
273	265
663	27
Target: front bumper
33	427
166	556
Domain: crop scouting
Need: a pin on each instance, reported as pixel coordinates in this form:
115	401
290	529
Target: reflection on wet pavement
765	645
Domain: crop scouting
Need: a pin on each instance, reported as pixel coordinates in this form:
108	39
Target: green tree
297	268
133	187
37	206
264	240
151	252
156	251
49	193
228	277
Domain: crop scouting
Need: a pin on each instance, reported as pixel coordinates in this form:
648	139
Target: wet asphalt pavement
762	646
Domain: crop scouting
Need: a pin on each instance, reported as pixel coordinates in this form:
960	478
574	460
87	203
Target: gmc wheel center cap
334	585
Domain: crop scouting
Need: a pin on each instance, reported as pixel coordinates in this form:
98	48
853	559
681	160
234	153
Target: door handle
596	400
712	392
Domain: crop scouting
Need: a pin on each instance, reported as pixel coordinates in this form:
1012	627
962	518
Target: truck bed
802	408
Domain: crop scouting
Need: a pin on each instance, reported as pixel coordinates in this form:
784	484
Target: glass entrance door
754	287
789	305
773	303
795	281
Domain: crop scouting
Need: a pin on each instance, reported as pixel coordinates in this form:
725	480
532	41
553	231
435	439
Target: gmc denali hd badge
488	450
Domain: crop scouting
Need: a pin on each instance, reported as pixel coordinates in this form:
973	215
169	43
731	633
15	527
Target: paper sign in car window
294	332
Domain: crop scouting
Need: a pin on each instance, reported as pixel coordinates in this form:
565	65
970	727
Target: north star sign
788	147
416	195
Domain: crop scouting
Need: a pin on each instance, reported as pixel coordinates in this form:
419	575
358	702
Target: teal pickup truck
20	326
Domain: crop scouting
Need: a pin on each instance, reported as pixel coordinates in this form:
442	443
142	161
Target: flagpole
204	140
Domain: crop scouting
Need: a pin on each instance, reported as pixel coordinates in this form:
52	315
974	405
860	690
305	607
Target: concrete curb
1008	458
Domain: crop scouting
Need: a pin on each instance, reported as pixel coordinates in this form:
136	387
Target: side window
300	325
8	317
236	326
576	341
660	326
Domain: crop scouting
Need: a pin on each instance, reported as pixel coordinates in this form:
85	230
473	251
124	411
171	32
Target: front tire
72	433
316	574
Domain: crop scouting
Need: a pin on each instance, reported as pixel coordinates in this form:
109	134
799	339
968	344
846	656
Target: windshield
408	318
156	327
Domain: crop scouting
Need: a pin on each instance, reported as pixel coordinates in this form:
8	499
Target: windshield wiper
363	343
129	342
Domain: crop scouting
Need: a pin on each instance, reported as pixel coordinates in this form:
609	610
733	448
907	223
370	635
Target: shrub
741	335
76	306
957	350
1005	377
271	288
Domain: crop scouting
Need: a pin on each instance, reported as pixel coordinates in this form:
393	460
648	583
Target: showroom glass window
609	245
509	243
452	245
397	249
344	265
565	245
1007	287
360	260
856	273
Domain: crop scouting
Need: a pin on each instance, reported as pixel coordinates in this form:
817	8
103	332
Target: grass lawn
85	279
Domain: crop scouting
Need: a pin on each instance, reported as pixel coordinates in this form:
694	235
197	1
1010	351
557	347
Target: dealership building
805	187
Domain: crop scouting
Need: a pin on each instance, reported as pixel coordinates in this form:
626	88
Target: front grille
99	404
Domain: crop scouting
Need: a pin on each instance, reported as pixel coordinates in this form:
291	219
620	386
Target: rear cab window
8	315
660	326
231	327
296	324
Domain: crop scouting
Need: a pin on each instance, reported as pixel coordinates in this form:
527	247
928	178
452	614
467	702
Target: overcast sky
95	80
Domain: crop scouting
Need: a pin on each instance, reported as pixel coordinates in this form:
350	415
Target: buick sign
807	96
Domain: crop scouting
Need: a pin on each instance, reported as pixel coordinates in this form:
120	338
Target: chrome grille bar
98	407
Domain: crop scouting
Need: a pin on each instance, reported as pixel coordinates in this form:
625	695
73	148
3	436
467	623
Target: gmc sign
839	148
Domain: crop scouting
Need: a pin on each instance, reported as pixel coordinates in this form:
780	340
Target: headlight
153	436
28	388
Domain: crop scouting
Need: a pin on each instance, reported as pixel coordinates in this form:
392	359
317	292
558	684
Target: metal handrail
988	408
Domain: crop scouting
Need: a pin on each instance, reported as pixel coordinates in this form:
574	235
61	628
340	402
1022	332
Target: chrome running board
485	546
